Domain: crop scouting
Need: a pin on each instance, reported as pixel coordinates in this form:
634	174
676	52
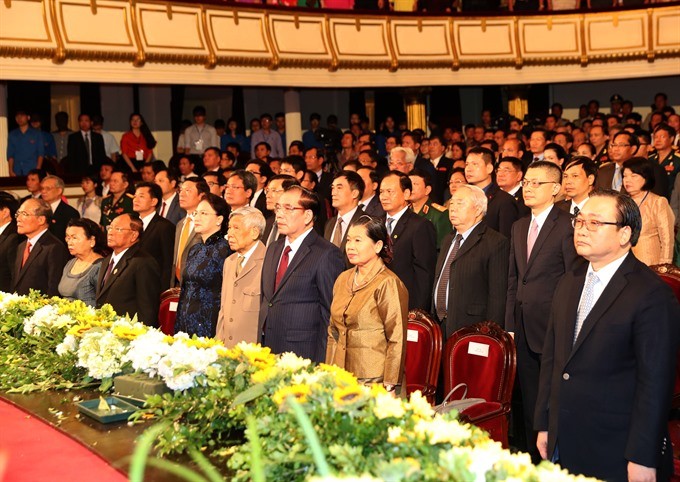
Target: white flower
101	353
7	299
68	345
146	351
47	316
310	379
388	406
291	362
420	406
395	435
438	431
183	363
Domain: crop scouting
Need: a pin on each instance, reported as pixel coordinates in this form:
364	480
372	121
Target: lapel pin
115	271
395	236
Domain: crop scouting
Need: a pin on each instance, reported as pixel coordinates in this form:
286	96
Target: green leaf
249	394
139	457
204	464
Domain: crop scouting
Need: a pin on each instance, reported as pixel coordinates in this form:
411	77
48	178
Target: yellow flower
264	375
300	393
79	330
128	332
169	339
342	377
388	406
348	395
201	342
420	406
377	389
395	435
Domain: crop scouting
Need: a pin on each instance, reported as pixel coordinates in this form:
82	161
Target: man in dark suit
169	207
472	269
41	258
191	193
314	159
609	356
442	166
130	278
9	240
541	251
159	233
85	148
52	191
298	275
262	173
502	209
346	191
370	201
414	240
578	181
509	178
275	188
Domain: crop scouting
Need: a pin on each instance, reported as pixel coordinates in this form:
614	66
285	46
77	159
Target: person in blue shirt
233	134
25	148
49	145
309	138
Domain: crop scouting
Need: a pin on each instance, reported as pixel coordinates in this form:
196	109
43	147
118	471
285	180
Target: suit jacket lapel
547	227
32	256
118	268
301	253
521	244
473	239
270	279
446	245
257	255
400	227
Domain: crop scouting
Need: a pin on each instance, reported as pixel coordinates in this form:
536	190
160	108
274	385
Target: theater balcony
232	44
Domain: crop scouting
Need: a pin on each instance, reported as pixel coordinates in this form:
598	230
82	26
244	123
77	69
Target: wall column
4	126
154	105
518	100
416	109
291	105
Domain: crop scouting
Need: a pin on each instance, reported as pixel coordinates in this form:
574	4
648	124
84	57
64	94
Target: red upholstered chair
423	354
483	357
168	310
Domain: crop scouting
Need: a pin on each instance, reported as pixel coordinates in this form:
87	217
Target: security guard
424	207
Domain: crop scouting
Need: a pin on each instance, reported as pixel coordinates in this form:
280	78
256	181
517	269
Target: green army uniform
438	215
670	165
111	210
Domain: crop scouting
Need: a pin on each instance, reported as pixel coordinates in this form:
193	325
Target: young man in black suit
169	207
52	191
262	173
370	201
41	258
9	239
610	354
159	233
346	190
85	148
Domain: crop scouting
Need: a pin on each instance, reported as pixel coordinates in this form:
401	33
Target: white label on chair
479	349
173	306
412	335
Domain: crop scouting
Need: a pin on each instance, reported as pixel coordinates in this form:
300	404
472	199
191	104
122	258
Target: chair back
423	353
483	357
167	310
671	275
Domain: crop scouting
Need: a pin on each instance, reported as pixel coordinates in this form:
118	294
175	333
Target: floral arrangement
238	405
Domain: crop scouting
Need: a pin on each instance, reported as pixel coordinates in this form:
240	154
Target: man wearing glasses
541	251
298	275
131	281
41	258
609	356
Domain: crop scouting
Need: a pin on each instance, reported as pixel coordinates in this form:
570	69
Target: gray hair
477	196
59	181
252	218
410	157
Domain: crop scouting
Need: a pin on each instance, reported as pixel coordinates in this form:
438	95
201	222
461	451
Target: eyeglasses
616	146
287	208
212	183
24	214
117	229
590	224
273	191
535	184
255	172
228	187
203	213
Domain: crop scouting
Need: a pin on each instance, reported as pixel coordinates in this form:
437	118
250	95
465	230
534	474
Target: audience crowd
323	249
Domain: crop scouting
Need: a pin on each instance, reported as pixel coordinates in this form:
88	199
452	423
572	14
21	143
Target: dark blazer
60	219
607	397
261	204
328	233
531	282
295	317
175	213
440	178
194	238
374	208
501	211
77	152
133	287
9	241
522	209
158	240
478	280
414	242
43	268
605	176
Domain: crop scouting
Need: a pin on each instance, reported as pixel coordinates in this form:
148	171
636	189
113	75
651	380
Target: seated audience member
137	144
119	200
502	209
159	233
90	205
655	245
41	257
170	208
586	150
129	279
370	202
293	165
216	182
414	240
86	242
240	188
147	172
199	302
241	278
52	191
401	159
186	168
296	148
509	178
346	191
347	152
556	154
33	180
578	181
369	312
472	270
9	239
610	355
211	160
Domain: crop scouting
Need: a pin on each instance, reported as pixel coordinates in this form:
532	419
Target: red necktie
283	266
163	210
27	253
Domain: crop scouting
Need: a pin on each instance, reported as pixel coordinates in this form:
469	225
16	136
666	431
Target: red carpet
32	451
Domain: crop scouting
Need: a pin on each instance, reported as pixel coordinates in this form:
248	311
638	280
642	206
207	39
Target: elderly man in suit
52	190
191	193
240	298
609	355
169	207
159	233
541	251
472	269
9	240
346	190
297	280
85	148
131	280
414	240
41	258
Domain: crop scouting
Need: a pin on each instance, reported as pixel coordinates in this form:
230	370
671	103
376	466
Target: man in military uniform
665	156
119	201
424	207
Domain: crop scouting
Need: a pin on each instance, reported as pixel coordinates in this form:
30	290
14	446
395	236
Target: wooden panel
620	33
105	25
667	29
180	31
24	21
299	35
551	37
366	40
229	31
489	40
421	39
